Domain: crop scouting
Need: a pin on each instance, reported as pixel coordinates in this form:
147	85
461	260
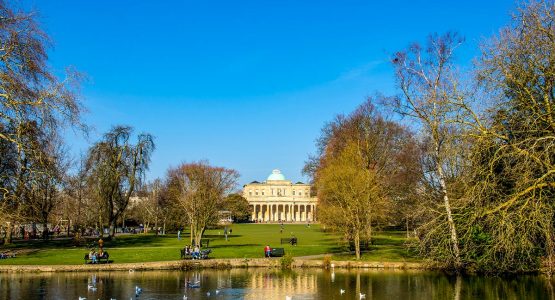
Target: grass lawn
247	240
388	246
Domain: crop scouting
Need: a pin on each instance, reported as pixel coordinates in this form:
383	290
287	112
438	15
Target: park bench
203	254
292	241
100	260
277	252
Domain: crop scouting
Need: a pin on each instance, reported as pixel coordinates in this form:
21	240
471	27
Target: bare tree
432	96
117	167
513	173
351	196
199	189
30	97
358	172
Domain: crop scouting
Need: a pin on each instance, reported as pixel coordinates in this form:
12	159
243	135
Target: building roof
276	176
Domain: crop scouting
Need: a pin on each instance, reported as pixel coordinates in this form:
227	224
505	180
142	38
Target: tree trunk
357	244
113	225
8	239
452	228
45	229
192	234
156	225
198	236
100	225
407	227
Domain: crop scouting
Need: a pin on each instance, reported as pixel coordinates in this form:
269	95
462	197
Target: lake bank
212	264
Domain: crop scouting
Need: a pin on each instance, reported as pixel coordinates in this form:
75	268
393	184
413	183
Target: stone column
253	216
313	212
290	214
267	212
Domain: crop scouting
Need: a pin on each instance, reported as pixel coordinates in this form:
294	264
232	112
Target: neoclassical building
278	199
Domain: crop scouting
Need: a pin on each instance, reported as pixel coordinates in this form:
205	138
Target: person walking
179	234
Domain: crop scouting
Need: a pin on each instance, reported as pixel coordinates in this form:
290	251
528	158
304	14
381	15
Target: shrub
327	261
286	262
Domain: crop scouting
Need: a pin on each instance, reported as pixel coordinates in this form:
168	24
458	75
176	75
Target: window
256	193
262	192
250	193
293	192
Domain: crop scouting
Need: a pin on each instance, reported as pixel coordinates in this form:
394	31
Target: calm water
267	284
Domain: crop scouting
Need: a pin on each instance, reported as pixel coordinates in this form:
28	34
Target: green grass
247	241
388	246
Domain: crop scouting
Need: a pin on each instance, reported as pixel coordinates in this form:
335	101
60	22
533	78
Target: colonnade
287	212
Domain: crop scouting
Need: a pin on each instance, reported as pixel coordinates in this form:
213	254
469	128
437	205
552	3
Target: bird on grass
82	298
362	296
217	292
208	294
341	291
185	297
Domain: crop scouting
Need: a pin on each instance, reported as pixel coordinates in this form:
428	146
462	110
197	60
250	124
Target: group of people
95	256
6	255
194	252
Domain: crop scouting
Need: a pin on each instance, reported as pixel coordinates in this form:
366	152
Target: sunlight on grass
247	241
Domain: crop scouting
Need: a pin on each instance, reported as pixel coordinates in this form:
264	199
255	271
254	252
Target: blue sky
244	84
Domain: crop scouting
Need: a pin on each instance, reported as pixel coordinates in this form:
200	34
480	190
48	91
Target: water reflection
271	284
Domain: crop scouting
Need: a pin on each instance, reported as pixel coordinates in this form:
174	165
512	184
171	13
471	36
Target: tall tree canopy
199	189
358	172
33	103
116	168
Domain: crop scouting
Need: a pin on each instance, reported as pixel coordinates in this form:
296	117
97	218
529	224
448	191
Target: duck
138	291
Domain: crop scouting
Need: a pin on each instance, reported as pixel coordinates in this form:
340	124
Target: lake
260	283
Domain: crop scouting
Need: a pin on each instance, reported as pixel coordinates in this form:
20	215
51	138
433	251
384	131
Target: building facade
280	200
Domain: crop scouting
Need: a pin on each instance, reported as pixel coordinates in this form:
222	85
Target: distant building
278	199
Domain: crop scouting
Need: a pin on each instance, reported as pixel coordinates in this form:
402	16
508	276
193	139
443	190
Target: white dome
276	175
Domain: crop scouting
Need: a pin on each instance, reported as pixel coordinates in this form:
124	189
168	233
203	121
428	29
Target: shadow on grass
119	241
137	240
236	246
